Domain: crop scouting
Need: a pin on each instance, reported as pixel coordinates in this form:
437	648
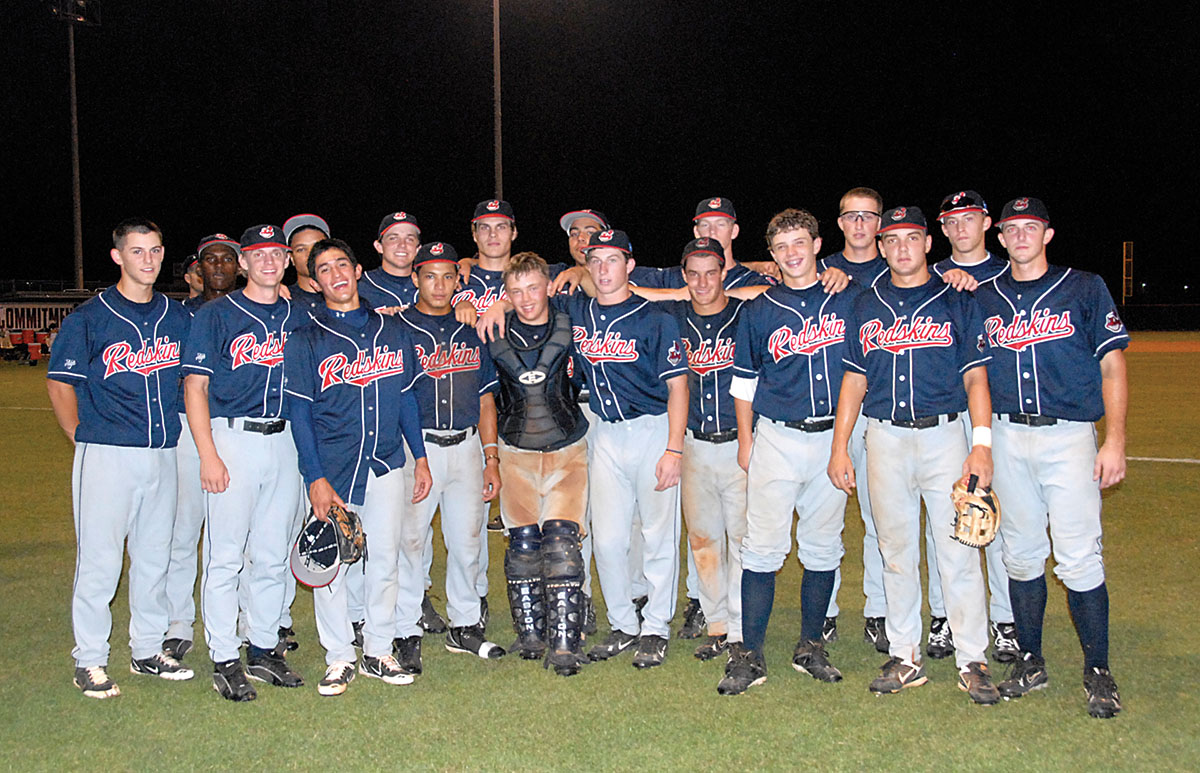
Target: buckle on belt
715	437
925	422
446	441
268	427
810	425
1032	419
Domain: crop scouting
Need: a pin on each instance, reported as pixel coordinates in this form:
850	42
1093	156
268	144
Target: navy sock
1089	610
256	652
815	590
758	596
1028	599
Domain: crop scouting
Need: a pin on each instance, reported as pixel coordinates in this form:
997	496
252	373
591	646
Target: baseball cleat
712	646
1005	636
875	632
1103	700
744	670
484	615
431	621
495	524
810	658
565	662
638	604
287	637
385	668
974	680
589	616
470	640
407	652
617	642
693	621
161	665
941	640
651	652
1025	674
270	666
338	677
229	680
93	682
898	674
829	632
529	647
177	648
357	625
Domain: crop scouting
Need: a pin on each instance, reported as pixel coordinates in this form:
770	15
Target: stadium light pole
498	150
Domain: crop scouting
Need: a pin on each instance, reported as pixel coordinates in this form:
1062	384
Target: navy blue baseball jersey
350	376
982	271
482	289
456	369
193	303
708	342
913	344
238	344
309	301
628	351
671	277
1048	337
379	290
864	274
123	359
793	341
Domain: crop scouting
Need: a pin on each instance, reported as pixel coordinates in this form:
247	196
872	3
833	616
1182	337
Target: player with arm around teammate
1058	365
349	383
112	384
913	339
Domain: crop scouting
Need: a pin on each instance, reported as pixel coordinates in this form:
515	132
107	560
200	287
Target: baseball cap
568	220
493	208
299	222
703	246
903	217
314	558
611	238
218	238
716	207
963	201
435	252
396	218
258	237
1024	207
190	262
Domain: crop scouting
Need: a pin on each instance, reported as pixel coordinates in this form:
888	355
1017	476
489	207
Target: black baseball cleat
270	666
287	637
744	670
338	676
693	621
1025	674
589	616
1005	637
639	603
875	632
177	648
161	665
975	680
651	652
617	642
431	621
357	625
529	647
94	682
941	640
470	640
408	653
829	633
484	616
229	680
810	658
712	647
1103	700
386	669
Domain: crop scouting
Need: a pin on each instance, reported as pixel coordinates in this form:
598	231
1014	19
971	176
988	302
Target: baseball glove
351	539
977	513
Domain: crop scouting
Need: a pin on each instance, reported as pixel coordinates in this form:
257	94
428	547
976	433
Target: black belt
925	422
819	425
715	437
1031	419
269	427
446	441
584	397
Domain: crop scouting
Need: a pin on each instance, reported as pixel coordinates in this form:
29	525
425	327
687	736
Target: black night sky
208	116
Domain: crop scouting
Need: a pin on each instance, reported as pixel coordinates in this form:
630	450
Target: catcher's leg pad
526	593
562	563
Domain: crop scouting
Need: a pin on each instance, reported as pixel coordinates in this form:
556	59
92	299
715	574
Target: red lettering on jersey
120	357
481	302
442	361
814	336
246	350
921	333
362	370
1021	333
611	348
709	357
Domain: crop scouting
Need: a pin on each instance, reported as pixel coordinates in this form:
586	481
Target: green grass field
465	713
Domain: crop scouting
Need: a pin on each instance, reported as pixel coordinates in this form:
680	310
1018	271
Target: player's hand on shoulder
1109	469
834	280
390	311
979	462
284	292
668	470
322	496
464	269
568	280
841	471
214	476
422	480
491	322
464	312
960	280
765	267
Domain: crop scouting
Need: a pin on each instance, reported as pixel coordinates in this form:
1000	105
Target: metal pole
499	169
75	162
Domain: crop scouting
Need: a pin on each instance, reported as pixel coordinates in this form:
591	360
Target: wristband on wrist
486	446
981	436
674	451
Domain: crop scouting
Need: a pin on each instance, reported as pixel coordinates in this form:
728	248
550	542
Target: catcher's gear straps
504	350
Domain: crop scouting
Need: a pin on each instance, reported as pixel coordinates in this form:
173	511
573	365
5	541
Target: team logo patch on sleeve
1112	322
68	364
1022	333
674	356
901	336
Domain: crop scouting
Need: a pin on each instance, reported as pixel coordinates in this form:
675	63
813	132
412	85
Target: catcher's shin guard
562	564
523	569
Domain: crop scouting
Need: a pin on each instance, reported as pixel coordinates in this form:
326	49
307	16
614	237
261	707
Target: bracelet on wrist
674	451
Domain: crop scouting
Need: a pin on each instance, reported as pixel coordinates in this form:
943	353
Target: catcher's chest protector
537	406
